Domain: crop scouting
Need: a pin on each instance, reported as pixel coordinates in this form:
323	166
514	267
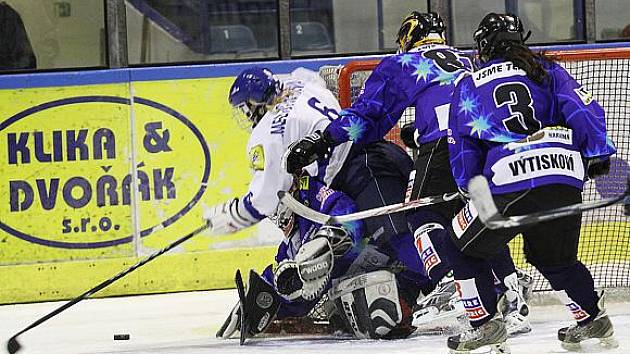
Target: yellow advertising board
69	213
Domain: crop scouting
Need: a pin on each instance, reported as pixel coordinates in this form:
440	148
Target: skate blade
523	328
431	314
593	345
501	348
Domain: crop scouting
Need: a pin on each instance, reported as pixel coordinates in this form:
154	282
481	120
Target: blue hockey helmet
416	28
497	28
251	92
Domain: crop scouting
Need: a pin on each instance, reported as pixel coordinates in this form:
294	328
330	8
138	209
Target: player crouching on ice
373	287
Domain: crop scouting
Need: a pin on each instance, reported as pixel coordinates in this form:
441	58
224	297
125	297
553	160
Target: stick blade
482	198
13	346
240	287
301	209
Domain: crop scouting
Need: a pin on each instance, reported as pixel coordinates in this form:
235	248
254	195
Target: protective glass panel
611	19
336	26
38	34
161	31
467	15
550	21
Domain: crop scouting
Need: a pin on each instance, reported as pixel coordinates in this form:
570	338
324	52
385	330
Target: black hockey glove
598	167
306	151
407	135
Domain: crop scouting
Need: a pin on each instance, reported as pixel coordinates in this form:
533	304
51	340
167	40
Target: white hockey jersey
306	107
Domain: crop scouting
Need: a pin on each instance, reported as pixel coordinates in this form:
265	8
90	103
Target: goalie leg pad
369	303
261	304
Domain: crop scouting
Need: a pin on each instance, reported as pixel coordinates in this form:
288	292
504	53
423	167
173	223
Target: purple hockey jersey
423	78
318	196
520	134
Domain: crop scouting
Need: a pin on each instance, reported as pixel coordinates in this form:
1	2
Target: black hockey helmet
495	29
415	29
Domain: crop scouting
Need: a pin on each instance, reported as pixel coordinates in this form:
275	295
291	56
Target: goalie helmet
495	29
251	92
420	28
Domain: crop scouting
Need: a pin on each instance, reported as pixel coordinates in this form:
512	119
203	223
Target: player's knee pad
369	303
427	244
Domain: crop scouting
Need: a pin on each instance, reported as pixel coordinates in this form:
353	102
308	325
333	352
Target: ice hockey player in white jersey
278	113
282	111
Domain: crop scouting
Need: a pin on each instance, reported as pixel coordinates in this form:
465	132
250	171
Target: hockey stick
321	218
490	216
13	345
243	325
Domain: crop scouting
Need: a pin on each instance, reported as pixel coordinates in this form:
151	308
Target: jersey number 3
517	97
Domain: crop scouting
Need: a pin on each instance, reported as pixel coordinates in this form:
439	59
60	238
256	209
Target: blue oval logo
72	170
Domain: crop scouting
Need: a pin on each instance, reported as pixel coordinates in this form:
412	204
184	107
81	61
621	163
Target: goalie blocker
256	313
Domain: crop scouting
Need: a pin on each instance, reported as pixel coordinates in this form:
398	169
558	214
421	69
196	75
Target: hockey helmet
416	29
251	92
497	28
284	219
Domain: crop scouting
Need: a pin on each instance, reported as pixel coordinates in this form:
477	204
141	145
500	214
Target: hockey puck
121	337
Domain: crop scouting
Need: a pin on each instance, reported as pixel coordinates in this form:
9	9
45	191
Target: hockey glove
306	151
598	167
225	219
287	280
407	135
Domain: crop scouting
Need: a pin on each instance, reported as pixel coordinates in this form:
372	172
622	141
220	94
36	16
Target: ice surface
185	323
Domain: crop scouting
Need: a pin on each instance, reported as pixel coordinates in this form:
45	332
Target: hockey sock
575	288
503	268
430	238
475	284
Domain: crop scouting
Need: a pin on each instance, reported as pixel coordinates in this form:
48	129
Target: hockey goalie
371	286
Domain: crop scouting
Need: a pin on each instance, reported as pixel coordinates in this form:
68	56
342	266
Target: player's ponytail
523	57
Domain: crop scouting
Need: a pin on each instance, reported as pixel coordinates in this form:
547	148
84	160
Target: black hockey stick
490	216
13	345
321	218
243	328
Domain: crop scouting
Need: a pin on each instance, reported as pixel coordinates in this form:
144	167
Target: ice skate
515	313
575	337
441	303
490	337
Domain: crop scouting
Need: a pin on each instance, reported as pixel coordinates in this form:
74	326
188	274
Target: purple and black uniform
532	141
497	108
399	250
423	78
